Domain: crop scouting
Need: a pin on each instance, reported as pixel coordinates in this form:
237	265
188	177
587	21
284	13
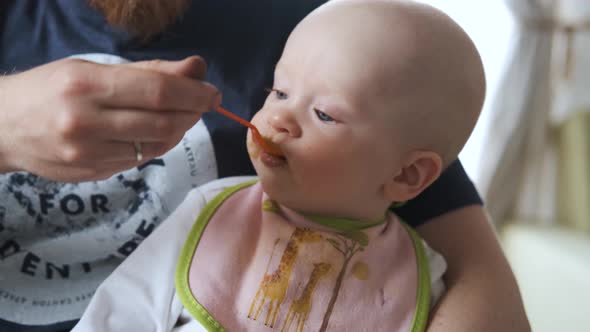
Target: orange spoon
267	145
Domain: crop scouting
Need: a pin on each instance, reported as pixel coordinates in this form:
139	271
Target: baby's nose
284	122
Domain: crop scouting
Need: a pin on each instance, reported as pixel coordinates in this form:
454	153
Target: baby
371	100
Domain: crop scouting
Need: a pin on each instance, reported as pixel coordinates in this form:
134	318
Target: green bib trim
423	296
186	257
344	224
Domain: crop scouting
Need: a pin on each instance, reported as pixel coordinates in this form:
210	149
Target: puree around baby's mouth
269	146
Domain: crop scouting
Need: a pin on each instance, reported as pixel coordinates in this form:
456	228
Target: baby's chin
274	185
283	193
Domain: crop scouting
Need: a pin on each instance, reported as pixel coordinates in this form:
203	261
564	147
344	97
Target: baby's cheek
323	163
341	163
330	152
257	118
253	150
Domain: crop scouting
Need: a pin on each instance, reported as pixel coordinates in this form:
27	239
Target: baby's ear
419	170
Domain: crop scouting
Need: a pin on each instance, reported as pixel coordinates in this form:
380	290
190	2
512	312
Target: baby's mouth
271	160
268	146
271	154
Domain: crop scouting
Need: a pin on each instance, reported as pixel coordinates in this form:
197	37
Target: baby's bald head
371	99
413	57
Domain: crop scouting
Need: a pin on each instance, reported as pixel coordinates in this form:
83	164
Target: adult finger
134	88
192	67
123	153
95	154
135	125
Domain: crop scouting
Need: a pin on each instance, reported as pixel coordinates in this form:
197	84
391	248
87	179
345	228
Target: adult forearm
482	294
4	141
479	302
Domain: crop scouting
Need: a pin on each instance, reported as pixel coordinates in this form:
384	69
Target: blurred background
529	155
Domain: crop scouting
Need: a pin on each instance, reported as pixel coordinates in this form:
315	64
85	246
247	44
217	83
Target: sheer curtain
518	176
536	139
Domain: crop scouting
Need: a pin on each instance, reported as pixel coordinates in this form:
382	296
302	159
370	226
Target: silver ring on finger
138	151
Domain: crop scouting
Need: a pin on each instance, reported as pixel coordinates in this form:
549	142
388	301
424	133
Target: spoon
267	145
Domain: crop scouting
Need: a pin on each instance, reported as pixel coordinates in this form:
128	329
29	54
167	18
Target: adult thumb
192	67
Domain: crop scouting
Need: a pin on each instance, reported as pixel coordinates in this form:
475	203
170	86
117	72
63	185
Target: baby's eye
279	94
323	116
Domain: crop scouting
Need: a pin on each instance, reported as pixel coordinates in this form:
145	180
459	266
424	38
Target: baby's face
338	133
369	99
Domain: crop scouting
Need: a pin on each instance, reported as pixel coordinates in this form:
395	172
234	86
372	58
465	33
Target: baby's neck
328	222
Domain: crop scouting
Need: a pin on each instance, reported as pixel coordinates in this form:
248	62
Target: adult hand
73	120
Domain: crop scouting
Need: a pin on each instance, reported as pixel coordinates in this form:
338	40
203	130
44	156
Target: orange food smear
267	145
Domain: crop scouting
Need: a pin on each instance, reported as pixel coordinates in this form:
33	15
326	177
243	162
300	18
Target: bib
250	264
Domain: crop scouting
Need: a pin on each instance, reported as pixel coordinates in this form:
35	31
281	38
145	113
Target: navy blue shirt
241	42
